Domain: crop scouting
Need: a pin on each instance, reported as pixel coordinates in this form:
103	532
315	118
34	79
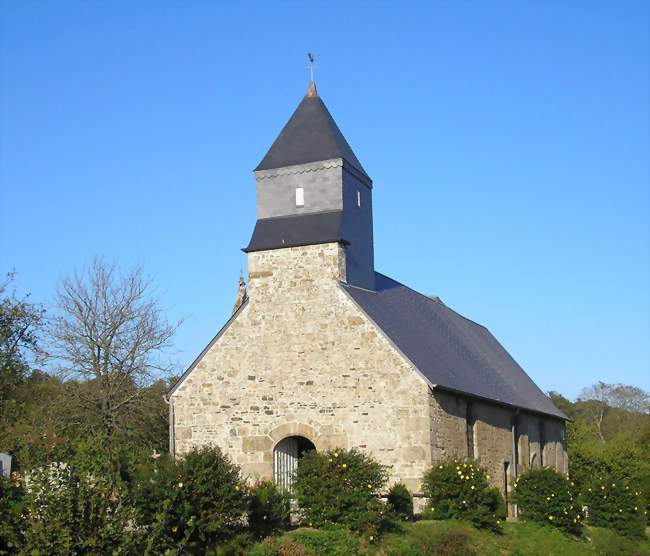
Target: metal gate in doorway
286	454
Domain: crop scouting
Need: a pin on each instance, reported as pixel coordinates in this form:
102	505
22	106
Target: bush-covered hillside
82	413
452	538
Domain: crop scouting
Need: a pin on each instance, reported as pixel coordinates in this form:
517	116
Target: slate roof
310	135
295	230
452	352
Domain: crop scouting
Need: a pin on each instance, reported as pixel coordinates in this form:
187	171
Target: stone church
323	351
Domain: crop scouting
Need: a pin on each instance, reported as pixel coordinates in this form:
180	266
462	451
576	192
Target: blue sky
508	142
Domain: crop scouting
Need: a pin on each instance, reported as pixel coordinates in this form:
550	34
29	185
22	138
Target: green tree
38	420
51	421
563	404
619	448
20	323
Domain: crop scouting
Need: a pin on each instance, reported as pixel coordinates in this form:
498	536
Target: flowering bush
621	462
460	490
545	496
400	501
616	505
341	487
67	512
199	502
268	509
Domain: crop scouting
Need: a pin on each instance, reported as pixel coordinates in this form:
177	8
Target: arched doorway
286	454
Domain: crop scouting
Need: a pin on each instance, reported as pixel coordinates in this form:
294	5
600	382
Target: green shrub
447	542
615	505
460	490
341	487
332	541
201	503
11	502
623	459
86	455
450	543
400	501
545	496
149	486
238	545
67	512
325	542
268	509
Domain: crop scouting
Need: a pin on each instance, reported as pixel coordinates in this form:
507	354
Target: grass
452	538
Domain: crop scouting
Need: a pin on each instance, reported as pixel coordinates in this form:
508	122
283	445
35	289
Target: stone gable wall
301	358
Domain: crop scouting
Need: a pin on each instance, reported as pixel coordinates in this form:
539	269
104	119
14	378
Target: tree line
83	381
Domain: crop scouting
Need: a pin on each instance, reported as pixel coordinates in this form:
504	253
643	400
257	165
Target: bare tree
596	400
629	398
600	399
109	332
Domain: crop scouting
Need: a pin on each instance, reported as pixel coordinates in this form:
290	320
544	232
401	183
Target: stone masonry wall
302	359
493	437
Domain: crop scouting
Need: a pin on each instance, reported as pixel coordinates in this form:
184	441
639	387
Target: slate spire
310	135
312	189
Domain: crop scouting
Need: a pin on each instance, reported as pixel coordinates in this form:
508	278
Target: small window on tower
300	197
358	198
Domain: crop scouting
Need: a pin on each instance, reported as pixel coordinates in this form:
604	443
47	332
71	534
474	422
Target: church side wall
302	359
492	437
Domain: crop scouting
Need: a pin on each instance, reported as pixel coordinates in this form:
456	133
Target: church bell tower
312	189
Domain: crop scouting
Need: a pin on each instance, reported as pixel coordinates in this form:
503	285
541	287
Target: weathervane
311	65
